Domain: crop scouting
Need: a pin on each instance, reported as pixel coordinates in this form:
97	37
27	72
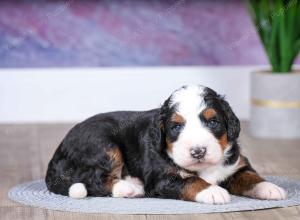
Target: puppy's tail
77	191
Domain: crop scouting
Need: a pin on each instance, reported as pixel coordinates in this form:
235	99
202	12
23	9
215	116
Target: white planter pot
275	105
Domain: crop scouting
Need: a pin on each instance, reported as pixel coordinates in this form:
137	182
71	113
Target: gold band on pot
275	103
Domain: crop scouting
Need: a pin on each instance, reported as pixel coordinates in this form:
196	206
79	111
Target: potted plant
275	94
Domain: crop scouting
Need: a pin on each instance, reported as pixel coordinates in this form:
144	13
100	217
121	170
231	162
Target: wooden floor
26	149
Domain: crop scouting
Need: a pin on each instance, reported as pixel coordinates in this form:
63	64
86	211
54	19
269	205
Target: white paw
127	189
77	191
134	180
213	195
267	190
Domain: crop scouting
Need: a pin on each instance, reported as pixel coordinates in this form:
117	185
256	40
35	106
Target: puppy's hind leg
128	187
111	180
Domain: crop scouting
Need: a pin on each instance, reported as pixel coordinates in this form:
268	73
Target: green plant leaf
273	47
278	25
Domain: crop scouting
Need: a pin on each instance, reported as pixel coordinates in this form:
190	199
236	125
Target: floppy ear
232	122
164	111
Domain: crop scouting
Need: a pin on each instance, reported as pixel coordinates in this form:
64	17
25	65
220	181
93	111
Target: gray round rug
36	194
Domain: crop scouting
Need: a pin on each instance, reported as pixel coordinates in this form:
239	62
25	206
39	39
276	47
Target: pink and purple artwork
58	33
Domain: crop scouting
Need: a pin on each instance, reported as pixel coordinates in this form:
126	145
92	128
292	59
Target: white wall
68	95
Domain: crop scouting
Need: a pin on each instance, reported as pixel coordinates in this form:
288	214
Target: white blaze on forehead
189	100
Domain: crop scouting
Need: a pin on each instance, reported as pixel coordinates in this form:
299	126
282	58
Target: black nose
198	152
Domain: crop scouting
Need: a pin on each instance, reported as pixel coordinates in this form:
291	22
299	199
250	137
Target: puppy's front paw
213	195
266	190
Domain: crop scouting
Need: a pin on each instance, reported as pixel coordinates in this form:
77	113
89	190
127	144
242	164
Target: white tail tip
77	191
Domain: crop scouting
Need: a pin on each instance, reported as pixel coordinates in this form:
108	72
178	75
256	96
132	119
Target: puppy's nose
198	152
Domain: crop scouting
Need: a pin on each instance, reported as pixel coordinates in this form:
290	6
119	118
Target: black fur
141	138
228	123
247	168
218	102
81	157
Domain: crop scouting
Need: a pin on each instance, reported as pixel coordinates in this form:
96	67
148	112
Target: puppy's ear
164	111
232	122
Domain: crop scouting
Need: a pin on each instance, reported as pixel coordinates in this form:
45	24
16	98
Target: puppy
187	150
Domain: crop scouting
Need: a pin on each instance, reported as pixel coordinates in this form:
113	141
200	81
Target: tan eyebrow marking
177	118
209	113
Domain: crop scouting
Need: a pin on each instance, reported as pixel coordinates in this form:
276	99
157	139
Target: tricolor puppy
187	149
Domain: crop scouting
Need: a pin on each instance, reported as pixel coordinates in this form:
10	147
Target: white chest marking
218	173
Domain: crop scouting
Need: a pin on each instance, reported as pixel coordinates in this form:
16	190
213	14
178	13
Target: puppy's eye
212	123
177	127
